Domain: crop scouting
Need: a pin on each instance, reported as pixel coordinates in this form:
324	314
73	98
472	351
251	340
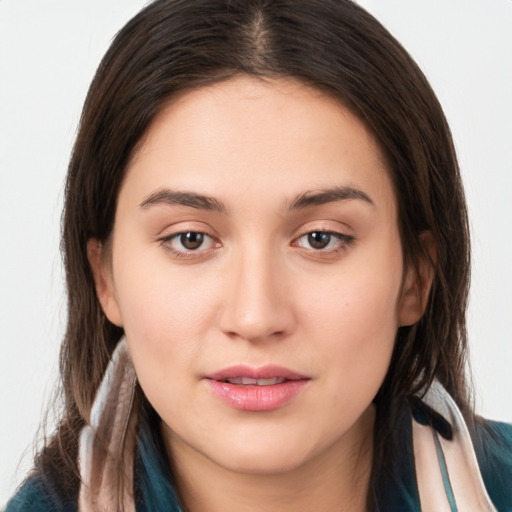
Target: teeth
248	381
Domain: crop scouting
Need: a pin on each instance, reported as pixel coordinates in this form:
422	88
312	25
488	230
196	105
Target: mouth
248	381
256	389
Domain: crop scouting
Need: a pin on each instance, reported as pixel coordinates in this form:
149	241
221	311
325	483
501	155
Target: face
256	268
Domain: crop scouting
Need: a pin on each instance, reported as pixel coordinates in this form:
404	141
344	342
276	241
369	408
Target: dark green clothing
154	492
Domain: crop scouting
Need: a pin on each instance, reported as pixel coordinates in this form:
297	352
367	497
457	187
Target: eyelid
185	226
167	239
344	242
171	233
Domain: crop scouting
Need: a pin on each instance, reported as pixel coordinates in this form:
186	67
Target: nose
258	304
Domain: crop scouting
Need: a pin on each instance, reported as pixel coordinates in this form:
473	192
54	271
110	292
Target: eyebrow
331	195
167	196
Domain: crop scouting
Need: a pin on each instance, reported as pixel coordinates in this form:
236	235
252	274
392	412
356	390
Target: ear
102	275
417	284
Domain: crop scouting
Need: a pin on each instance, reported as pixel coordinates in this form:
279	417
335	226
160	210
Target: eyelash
187	253
343	242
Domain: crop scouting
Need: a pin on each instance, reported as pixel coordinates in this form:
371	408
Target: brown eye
191	240
319	239
189	244
324	242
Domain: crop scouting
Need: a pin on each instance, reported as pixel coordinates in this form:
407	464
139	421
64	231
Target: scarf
447	473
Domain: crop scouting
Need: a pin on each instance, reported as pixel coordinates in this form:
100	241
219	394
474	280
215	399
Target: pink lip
254	397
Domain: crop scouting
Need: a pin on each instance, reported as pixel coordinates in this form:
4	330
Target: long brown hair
332	45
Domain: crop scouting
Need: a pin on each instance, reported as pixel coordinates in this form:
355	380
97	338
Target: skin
256	292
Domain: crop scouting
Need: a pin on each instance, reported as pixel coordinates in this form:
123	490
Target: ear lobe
102	276
417	284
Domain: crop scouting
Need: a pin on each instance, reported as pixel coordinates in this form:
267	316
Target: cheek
166	314
354	318
355	327
154	307
357	303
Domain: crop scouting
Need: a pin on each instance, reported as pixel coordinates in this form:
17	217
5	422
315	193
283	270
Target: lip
256	398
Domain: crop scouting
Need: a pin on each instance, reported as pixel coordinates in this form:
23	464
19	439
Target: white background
48	53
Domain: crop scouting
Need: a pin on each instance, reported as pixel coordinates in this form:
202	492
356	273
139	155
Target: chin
264	456
262	465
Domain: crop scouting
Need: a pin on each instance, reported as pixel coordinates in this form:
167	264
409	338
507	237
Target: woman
265	234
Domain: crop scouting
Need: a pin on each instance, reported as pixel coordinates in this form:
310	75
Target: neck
334	481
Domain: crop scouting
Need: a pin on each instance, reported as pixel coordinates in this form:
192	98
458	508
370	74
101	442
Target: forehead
246	134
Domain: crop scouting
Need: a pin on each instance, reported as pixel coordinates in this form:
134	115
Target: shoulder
35	495
493	447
